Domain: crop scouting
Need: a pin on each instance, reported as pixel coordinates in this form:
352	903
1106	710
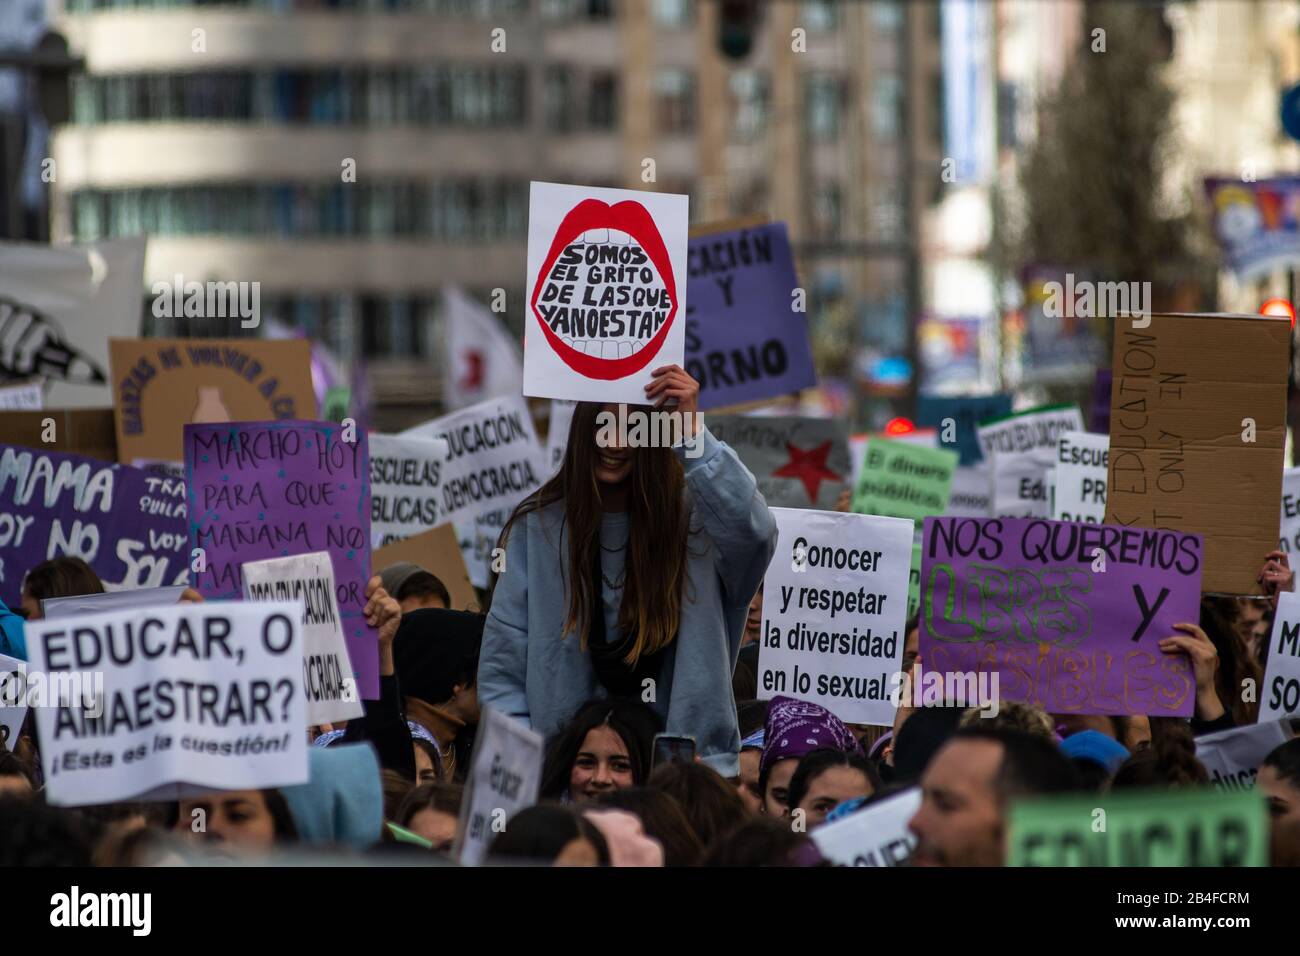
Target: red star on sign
809	467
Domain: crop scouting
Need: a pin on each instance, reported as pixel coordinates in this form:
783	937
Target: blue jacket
535	673
13	642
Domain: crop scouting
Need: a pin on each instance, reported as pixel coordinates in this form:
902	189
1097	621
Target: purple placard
274	489
746	337
1056	609
1101	402
128	526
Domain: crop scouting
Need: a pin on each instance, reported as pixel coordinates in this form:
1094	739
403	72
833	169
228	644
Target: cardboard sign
876	835
1079	491
405	478
493	459
902	480
1233	757
81	431
834	606
798	462
1190	827
128	527
1197	429
438	552
13	700
964	413
504	778
194	695
1020	449
160	385
18	398
308	580
274	489
1289	542
54	608
60	305
972	492
1068	616
746	334
606	291
1281	697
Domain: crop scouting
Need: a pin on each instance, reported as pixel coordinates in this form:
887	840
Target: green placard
1193	827
902	480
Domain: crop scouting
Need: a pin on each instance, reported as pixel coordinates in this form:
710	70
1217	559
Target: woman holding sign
629	574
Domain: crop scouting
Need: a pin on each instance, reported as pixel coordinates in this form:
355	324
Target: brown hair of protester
58	577
1236	663
663	818
635	724
1170	761
758	842
658	534
712	805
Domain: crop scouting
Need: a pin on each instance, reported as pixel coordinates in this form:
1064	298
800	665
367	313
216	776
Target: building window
826	211
749	104
602	101
886	106
887	15
824	103
674	92
675	14
819	15
557	97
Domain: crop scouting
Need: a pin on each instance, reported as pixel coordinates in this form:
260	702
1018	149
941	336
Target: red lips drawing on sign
626	295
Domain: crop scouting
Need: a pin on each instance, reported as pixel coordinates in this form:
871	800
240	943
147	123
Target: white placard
834	606
53	608
13	699
22	398
504	778
326	668
1082	462
1233	757
606	289
971	491
493	459
557	435
873	836
1020	449
405	486
1289	542
1281	696
194	695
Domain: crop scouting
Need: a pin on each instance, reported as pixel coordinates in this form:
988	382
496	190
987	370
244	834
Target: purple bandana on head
796	727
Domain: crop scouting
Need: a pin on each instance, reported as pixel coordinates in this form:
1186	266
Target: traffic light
737	23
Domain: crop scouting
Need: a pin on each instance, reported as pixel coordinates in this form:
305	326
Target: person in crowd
413	587
432	811
710	803
1224	667
550	835
918	740
966	789
631	573
762	842
395	787
1096	758
436	655
753	619
236	821
13	639
826	778
342	803
15	778
58	577
1132	731
1013	715
662	818
744	680
1276	577
606	746
795	728
629	845
35	834
1279	782
429	764
1170	761
751	758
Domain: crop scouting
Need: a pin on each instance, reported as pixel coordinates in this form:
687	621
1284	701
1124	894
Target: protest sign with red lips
604	281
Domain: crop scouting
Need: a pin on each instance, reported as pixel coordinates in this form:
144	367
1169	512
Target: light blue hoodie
532	671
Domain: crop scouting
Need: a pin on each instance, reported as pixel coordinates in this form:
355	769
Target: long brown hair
657	537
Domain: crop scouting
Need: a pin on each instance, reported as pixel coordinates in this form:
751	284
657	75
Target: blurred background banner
1256	224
